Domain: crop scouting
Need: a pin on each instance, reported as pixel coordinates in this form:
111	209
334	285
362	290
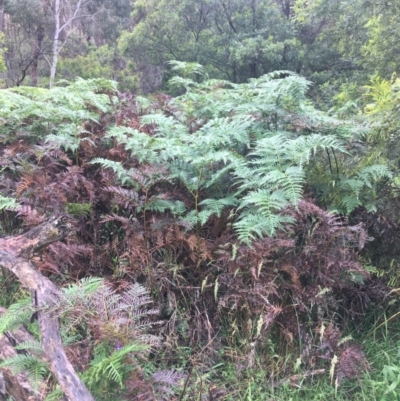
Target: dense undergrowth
243	214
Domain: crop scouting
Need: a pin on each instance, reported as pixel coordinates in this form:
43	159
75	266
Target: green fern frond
83	288
34	368
191	219
179	82
373	173
280	151
78	209
55	395
63	140
216	206
112	367
178	208
268	203
225	131
352	185
8	203
33	346
185	172
166	126
95	85
291	182
350	203
112	372
286	92
121	133
144	147
252	226
142	103
162	205
74	296
117	167
185	68
358	190
247	177
58	112
204	215
305	146
17	313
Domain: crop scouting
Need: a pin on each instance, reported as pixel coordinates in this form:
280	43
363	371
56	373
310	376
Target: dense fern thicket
239	211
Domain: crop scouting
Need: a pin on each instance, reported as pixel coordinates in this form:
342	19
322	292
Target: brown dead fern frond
352	363
30	215
27	181
294	276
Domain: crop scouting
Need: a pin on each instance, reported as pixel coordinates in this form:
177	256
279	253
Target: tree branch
14	255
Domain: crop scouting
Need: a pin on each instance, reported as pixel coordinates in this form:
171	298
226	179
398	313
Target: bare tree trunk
55	42
37	49
14	255
2	19
73	13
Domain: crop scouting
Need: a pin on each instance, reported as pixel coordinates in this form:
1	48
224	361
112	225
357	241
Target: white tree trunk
70	13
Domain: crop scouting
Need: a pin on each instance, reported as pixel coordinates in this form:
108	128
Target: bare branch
14	254
78	7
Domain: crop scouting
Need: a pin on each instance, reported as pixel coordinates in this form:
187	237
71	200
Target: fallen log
15	254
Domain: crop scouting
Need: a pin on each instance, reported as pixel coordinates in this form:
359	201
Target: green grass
233	382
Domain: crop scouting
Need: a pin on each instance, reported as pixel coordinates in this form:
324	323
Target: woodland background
230	169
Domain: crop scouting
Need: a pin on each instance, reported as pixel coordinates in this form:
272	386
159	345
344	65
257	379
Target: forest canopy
199	200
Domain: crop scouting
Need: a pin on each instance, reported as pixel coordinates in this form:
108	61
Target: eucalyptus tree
67	14
108	25
92	51
327	41
349	40
37	31
234	40
26	24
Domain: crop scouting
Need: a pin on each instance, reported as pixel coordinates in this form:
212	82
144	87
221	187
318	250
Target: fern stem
144	219
77	141
337	166
329	160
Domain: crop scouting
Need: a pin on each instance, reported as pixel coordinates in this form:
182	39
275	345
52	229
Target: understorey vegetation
232	242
